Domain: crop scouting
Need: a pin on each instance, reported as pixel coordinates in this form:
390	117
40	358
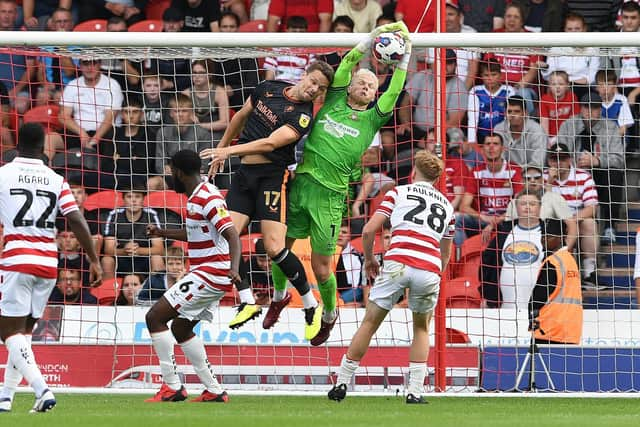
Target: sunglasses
532	177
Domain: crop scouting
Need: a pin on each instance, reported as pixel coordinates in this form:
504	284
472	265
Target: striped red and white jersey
579	189
495	189
207	218
31	194
421	217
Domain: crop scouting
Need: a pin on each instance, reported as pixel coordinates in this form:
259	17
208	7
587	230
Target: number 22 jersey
31	195
421	217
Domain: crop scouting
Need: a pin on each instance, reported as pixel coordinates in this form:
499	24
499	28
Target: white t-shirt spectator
90	103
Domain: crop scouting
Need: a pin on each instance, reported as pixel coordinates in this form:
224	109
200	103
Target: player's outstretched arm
79	226
388	99
235	251
175	234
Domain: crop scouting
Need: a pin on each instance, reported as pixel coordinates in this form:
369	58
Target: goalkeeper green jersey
340	134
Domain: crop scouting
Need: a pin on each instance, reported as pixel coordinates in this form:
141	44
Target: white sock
417	372
329	316
588	266
279	295
194	350
21	356
163	345
12	377
347	369
308	300
246	295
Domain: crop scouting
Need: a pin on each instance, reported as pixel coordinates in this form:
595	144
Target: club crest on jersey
304	120
222	212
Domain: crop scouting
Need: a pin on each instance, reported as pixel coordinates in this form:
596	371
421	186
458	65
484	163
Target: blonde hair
362	72
428	165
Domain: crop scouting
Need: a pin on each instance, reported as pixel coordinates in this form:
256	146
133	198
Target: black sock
293	269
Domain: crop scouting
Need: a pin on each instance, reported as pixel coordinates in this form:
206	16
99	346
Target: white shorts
24	294
389	286
193	299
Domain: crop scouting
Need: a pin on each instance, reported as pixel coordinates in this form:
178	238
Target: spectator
69	289
614	105
349	271
91	216
184	134
518	70
131	285
363	13
70	255
599	15
239	8
36	14
580	69
123	70
511	261
579	190
483	15
555	308
317	13
289	67
258	272
552	204
524	139
543	15
131	11
557	105
89	105
127	247
459	147
466	60
6	138
156	284
597	146
238	76
210	102
422	90
58	70
199	15
155	104
340	24
488	192
487	102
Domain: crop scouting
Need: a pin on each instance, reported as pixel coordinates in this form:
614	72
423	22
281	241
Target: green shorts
316	211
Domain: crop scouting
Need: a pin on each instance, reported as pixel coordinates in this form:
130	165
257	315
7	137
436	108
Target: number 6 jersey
31	195
421	217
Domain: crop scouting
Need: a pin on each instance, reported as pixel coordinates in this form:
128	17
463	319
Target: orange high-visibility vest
561	316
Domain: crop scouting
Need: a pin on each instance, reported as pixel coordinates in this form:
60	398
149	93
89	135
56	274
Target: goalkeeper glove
365	44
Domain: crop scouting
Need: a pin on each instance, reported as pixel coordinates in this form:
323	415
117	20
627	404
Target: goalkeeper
343	130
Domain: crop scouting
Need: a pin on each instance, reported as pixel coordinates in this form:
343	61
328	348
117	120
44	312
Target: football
388	48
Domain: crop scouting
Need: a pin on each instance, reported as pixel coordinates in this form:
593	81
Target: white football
388	48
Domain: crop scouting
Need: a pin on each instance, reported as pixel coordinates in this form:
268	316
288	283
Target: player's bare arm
79	226
155	231
445	252
235	251
371	265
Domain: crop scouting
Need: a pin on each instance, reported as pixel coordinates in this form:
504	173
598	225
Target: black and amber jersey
273	109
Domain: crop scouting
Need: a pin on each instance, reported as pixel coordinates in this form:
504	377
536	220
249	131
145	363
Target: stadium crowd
562	127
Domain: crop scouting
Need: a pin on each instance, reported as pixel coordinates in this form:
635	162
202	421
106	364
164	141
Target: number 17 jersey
421	217
31	194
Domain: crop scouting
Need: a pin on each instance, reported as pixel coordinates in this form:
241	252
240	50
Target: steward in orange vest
555	307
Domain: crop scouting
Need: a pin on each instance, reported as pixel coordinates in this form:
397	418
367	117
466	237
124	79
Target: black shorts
260	192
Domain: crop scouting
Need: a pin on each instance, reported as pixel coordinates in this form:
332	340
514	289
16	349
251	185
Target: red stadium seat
255	26
92	25
455	336
46	115
146	26
168	200
378	248
462	292
155	8
106	199
107	292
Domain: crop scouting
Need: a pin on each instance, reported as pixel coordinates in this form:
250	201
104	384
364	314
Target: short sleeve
66	201
388	203
215	210
300	120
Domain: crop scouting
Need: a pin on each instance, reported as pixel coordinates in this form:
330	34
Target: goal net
519	123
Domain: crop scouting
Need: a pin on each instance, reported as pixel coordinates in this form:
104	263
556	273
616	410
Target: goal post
475	344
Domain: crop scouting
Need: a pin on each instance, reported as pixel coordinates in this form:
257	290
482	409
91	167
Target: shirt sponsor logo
266	112
521	253
334	128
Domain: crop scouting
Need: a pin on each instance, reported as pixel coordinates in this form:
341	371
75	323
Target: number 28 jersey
31	195
421	217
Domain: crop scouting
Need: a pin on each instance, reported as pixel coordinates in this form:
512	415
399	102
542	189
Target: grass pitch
301	411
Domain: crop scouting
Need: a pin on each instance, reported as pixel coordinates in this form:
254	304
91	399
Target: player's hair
31	138
364	72
323	67
342	20
428	165
560	73
296	21
180	100
517	100
229	14
606	76
187	161
174	252
491	65
630	6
